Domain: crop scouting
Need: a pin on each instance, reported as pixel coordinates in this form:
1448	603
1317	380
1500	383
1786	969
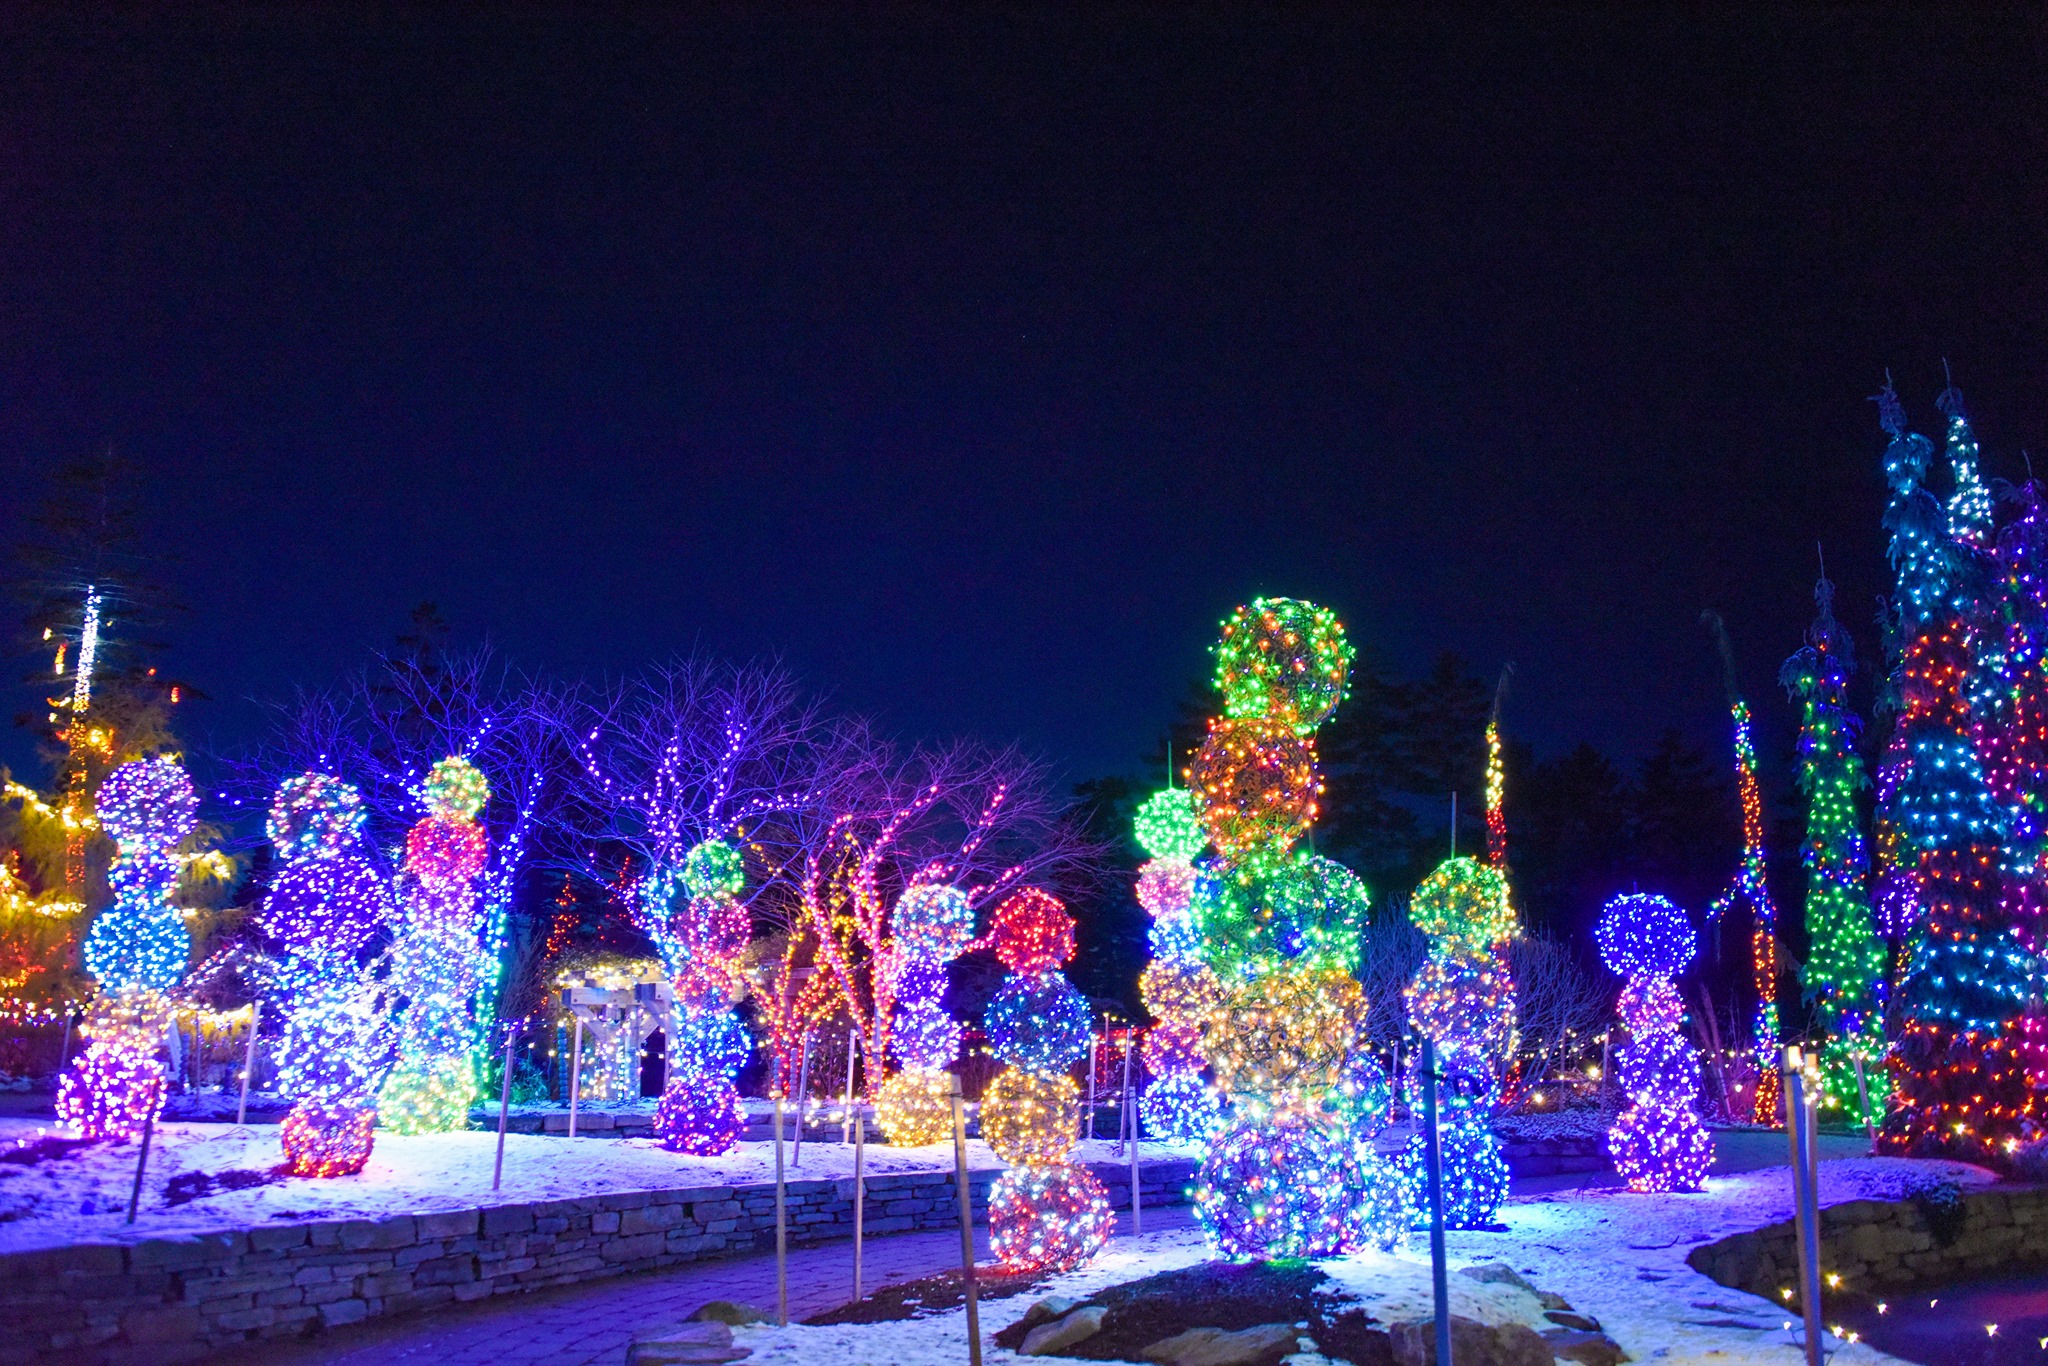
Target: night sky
976	367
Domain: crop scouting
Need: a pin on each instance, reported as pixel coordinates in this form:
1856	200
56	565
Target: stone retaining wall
168	1299
1875	1244
1551	1156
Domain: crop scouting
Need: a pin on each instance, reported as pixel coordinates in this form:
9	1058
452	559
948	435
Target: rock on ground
1050	1339
1472	1344
687	1344
1260	1346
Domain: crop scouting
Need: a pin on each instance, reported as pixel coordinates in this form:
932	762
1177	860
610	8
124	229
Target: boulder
725	1311
1571	1318
1497	1273
686	1344
1472	1344
1046	1310
1260	1346
1050	1339
1588	1349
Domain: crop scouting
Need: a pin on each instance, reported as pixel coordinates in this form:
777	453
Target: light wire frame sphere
1641	934
1283	659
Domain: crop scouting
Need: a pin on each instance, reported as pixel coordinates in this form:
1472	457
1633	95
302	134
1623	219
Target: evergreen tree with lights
1961	1068
1844	973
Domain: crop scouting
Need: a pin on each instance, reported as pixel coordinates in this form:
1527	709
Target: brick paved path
595	1322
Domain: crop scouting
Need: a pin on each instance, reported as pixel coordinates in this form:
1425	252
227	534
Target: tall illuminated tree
1961	1068
1177	986
1844	974
1751	888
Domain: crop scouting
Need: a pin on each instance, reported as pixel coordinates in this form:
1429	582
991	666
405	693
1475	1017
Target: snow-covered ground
1616	1256
83	1195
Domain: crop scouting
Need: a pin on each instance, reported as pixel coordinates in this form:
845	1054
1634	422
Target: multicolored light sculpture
1844	974
1463	1000
137	951
933	924
1177	986
1043	1214
327	905
702	931
1658	1143
1291	1169
437	959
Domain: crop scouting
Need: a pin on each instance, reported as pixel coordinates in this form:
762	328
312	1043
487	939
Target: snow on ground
83	1196
1616	1256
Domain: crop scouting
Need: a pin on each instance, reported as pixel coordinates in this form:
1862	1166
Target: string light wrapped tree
1964	1065
438	959
1658	1143
933	925
136	951
1177	986
1044	1214
1463	1000
1290	1169
1844	975
327	908
702	932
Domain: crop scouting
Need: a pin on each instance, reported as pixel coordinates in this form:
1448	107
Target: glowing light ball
1166	887
1288	1186
1257	783
1658	1143
1287	1033
699	1114
1029	1118
933	921
315	816
915	1107
328	1142
1178	1105
1171	1047
714	868
1169	826
1315	908
924	1035
147	804
1645	936
1466	901
718	929
1475	1175
428	1094
1284	659
455	789
1175	937
1032	932
1038	1021
1467	996
117	1085
1176	989
445	852
1047	1218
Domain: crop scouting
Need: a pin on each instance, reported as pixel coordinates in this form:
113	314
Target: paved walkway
595	1322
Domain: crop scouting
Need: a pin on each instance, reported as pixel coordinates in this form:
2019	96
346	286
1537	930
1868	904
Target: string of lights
1658	1143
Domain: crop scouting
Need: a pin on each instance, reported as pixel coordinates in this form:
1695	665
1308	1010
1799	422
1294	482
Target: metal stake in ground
966	1225
846	1106
1092	1042
575	1072
141	1162
803	1091
1806	1225
1137	1219
64	1048
504	1104
248	1064
1433	1164
1863	1101
781	1225
860	1192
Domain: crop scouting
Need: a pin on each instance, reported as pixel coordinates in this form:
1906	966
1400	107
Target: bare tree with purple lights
984	821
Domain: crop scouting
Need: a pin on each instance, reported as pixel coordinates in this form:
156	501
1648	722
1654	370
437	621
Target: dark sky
977	366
